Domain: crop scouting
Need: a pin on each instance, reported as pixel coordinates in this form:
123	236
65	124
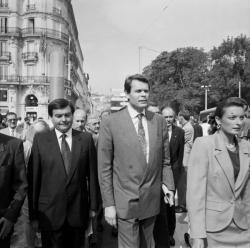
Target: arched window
31	101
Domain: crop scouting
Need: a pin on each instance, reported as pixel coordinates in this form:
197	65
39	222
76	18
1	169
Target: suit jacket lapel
152	134
244	165
224	160
75	151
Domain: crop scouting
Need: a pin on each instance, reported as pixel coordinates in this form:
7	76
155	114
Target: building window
3	3
3	95
3	24
31	25
3	47
30	46
30	70
3	72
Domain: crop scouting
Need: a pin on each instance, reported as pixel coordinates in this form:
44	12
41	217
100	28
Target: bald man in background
80	119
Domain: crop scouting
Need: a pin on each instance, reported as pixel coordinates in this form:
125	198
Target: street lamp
206	87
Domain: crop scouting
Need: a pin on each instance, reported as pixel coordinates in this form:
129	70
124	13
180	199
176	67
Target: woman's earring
218	126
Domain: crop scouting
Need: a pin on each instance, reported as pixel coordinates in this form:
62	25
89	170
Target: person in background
1	122
13	185
198	132
205	126
62	180
133	166
24	233
184	120
153	107
218	173
166	220
80	120
93	126
12	129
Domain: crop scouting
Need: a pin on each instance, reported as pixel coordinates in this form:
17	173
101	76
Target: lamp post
206	87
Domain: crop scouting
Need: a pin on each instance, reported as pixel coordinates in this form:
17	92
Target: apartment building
40	57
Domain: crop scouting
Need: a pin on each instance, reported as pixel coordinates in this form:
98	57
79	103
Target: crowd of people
136	168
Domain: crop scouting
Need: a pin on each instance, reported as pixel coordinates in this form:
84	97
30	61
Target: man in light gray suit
133	165
12	129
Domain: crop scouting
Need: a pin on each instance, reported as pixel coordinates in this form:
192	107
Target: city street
106	240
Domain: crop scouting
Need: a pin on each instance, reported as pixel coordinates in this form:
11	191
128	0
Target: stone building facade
40	57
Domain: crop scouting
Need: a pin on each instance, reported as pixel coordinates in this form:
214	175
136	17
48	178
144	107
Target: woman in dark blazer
218	174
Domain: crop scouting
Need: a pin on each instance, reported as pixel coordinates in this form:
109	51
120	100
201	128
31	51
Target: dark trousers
161	228
5	243
182	187
65	237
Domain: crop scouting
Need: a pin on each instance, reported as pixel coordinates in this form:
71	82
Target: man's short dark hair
60	103
185	114
129	79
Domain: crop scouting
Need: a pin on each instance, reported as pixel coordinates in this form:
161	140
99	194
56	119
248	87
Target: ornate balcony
9	79
30	80
10	32
50	33
30	57
5	56
30	7
4	7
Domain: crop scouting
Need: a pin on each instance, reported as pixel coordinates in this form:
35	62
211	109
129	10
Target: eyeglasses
10	120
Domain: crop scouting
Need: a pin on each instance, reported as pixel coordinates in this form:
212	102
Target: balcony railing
9	31
34	80
4	5
30	57
31	7
9	79
5	56
51	33
57	11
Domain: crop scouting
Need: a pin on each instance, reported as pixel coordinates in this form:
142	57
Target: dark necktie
141	135
66	154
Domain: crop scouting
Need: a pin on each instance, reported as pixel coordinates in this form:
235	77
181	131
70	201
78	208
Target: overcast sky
111	32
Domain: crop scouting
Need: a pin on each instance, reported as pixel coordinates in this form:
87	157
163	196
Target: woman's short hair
231	101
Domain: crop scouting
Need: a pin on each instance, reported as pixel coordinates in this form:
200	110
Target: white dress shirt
134	116
68	138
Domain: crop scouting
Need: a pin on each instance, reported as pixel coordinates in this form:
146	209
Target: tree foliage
177	76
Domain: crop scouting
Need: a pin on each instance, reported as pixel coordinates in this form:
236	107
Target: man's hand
5	227
110	215
198	243
92	213
169	195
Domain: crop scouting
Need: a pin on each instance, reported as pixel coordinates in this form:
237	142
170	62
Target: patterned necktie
12	132
66	154
141	135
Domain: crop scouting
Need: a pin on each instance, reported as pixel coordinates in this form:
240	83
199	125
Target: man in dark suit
176	138
133	163
62	176
13	185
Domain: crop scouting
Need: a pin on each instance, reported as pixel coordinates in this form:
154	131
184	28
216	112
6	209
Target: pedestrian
133	165
13	185
218	173
62	180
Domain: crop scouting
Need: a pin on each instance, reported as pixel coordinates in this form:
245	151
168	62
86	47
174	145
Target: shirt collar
59	134
134	113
